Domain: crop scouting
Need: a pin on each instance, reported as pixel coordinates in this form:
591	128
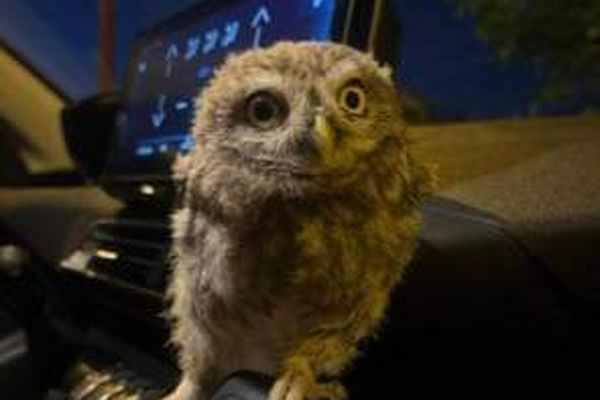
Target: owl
299	215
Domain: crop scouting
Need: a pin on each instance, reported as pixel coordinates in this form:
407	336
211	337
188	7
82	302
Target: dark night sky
442	59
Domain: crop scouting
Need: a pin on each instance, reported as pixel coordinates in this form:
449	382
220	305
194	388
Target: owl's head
294	118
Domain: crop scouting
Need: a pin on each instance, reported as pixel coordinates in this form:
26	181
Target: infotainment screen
170	65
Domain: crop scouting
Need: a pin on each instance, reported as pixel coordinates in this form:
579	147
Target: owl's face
295	117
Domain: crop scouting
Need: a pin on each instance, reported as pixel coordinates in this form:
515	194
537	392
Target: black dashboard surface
477	301
475	308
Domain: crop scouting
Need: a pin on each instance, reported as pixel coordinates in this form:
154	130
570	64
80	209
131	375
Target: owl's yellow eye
353	99
265	110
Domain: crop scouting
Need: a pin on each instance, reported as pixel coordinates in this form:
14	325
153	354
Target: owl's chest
256	293
317	260
239	300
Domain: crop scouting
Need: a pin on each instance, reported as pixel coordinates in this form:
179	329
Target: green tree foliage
562	37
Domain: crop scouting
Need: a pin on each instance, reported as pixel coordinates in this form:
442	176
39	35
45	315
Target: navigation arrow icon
172	53
158	116
260	19
158	119
142	67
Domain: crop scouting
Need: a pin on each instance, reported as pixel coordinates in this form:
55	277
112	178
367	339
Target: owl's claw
297	386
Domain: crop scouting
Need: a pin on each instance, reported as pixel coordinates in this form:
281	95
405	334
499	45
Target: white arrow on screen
172	53
158	116
142	67
181	105
317	3
261	18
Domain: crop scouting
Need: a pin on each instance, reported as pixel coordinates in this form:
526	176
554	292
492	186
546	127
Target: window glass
481	59
459	59
60	38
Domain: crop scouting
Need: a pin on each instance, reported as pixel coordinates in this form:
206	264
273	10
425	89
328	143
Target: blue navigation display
170	65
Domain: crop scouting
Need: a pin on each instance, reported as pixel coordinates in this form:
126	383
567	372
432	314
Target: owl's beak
324	133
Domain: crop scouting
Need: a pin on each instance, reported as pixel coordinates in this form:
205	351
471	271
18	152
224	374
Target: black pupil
352	99
264	109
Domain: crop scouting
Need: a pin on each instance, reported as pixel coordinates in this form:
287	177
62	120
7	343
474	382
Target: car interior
503	292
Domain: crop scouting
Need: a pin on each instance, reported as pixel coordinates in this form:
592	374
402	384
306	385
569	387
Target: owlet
299	216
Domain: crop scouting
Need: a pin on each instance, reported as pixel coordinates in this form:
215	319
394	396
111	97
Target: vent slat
114	240
124	222
132	251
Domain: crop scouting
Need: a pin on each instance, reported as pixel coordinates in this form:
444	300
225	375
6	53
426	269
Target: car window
480	59
460	59
60	39
500	94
